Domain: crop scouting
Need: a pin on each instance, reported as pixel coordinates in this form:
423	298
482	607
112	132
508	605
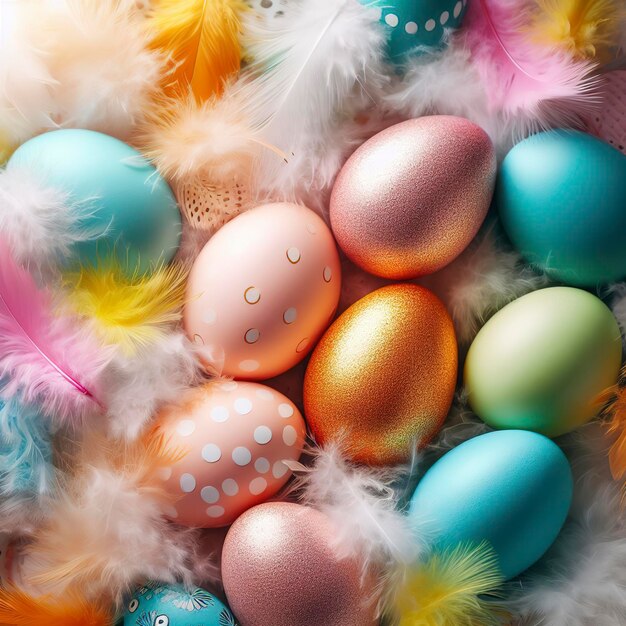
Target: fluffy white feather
618	304
486	277
39	222
138	386
314	67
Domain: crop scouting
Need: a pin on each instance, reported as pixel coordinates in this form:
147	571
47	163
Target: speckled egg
413	197
263	290
160	604
233	438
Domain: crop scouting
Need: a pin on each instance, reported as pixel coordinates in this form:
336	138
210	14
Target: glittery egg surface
412	198
382	378
280	568
263	290
412	25
160	604
233	438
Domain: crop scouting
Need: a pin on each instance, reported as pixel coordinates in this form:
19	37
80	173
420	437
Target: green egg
541	362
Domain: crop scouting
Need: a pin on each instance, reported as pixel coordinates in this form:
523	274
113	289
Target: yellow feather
128	311
587	29
449	589
202	39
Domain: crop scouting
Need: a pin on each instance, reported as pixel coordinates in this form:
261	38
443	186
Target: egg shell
234	437
263	290
382	378
411	24
122	195
543	360
280	568
512	488
560	195
413	197
161	604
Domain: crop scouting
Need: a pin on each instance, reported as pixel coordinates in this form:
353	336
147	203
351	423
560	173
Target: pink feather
521	78
51	361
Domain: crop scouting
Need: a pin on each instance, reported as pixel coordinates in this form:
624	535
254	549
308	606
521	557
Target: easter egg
560	195
542	361
280	568
414	24
160	604
512	488
232	438
413	197
119	196
263	290
382	378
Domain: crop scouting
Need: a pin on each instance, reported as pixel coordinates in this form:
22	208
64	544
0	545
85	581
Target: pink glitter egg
413	197
263	289
280	568
232	438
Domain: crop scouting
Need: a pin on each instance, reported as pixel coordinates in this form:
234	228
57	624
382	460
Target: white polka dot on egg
391	19
186	428
215	511
290	435
445	16
258	486
290	315
219	414
252	335
242	456
211	453
187	483
243	406
430	25
210	495
458	7
411	29
293	254
230	487
285	410
328	272
262	435
279	469
265	394
262	465
249	365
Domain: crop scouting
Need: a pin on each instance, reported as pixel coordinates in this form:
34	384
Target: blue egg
512	488
413	24
561	196
123	200
159	604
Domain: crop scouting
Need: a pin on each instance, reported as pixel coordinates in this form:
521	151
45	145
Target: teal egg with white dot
413	25
159	604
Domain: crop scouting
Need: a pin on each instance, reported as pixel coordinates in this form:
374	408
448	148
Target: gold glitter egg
382	378
413	197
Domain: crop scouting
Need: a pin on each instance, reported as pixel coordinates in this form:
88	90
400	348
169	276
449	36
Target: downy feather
524	80
17	608
105	532
53	362
201	39
587	29
615	411
129	311
40	222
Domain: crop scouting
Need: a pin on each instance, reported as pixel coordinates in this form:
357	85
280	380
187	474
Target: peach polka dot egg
230	439
263	290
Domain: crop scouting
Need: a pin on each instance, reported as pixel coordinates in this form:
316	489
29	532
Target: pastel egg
280	568
543	360
161	604
560	195
511	488
121	198
382	378
263	290
413	197
414	24
233	437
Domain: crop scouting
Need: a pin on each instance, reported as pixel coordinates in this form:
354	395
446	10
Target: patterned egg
160	604
280	568
120	196
232	438
263	290
413	197
382	377
412	24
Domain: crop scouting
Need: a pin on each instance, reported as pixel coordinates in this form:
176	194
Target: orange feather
615	397
19	609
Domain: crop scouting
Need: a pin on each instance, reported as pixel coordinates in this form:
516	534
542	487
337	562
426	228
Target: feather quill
17	608
53	362
130	310
522	79
587	29
201	37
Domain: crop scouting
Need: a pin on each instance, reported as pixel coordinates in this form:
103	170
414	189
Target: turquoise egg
512	488
562	199
122	198
159	604
411	24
